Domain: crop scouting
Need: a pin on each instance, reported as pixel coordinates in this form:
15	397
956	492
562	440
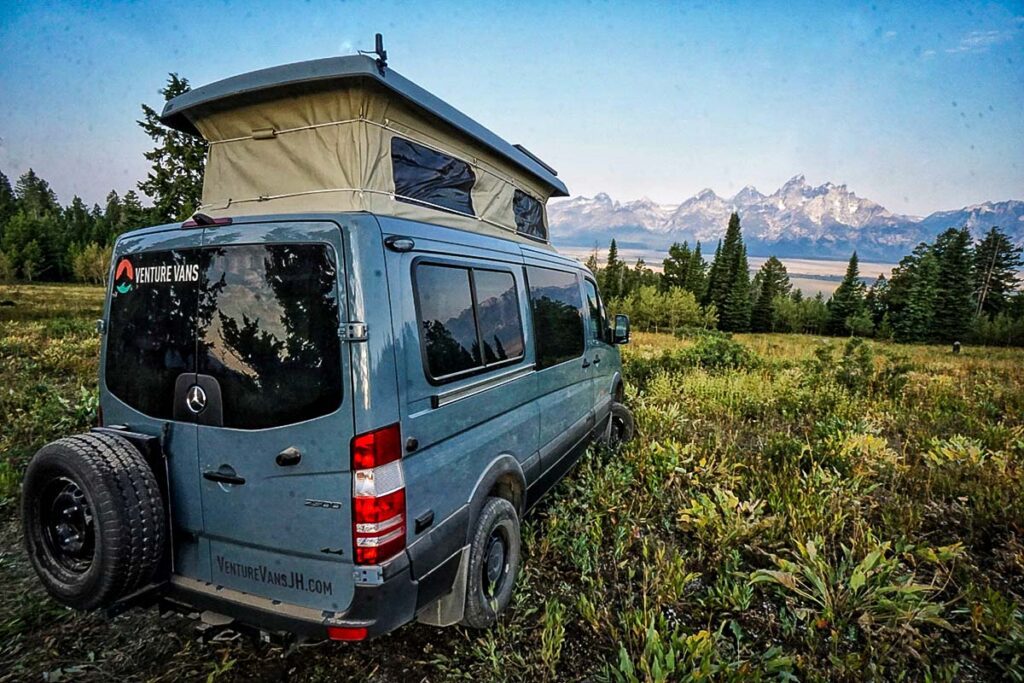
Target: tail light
378	495
346	633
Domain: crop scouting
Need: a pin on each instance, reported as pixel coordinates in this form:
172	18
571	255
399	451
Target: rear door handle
597	360
224	478
586	363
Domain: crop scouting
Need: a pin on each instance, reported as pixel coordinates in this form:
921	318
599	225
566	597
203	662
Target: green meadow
792	508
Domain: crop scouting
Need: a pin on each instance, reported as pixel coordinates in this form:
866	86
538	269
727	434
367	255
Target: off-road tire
623	427
127	518
482	608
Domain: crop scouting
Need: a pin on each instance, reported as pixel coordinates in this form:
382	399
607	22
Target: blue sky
918	107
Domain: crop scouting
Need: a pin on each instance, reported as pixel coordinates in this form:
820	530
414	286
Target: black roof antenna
382	54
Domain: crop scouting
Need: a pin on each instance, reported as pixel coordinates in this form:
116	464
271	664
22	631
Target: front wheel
622	427
494	556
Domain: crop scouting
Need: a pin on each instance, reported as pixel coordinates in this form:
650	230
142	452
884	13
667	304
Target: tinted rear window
267	320
557	315
151	328
268	332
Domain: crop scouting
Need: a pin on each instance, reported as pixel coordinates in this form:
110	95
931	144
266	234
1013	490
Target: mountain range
798	221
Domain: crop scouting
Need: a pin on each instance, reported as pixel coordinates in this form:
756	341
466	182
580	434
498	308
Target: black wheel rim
69	535
495	564
618	429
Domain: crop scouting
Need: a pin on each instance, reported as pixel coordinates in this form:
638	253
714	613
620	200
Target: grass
792	508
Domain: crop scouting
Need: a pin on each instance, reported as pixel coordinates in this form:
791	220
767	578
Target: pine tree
34	196
78	223
996	264
593	265
910	299
954	306
728	284
613	273
734	316
132	214
34	236
711	284
773	282
675	268
695	274
847	301
8	204
175	182
876	298
720	279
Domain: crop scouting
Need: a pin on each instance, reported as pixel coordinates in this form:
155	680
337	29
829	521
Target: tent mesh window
529	216
426	176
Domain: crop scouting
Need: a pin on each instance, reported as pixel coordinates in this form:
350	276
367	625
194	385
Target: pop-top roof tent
350	134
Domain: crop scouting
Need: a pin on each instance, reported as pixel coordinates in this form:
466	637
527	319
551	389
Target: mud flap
450	608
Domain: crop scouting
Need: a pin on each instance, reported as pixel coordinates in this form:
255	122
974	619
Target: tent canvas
323	136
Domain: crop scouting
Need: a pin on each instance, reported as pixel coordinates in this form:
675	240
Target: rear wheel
494	557
93	519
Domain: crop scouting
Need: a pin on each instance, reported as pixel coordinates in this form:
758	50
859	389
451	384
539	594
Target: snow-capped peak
816	221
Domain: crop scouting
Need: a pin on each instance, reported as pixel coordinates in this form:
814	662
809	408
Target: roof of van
318	74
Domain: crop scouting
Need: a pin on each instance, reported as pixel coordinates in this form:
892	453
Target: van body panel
564	391
373	362
455	438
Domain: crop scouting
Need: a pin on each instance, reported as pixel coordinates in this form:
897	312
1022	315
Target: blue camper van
328	399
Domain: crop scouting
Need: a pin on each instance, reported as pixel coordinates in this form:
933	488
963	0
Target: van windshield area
260	319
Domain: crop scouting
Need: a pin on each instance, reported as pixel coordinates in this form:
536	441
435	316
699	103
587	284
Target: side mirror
620	335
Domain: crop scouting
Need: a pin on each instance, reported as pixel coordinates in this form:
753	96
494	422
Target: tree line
950	289
40	239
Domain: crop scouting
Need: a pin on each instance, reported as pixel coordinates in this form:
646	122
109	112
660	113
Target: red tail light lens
346	633
376	448
378	496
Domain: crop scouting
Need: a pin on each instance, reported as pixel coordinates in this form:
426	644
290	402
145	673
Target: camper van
328	399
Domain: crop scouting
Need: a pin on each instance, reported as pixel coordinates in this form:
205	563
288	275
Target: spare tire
93	519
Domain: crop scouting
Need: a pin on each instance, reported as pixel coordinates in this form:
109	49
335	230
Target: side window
597	325
463	310
426	176
557	315
501	330
529	214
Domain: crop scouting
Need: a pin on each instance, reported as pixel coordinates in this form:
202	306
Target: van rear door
274	424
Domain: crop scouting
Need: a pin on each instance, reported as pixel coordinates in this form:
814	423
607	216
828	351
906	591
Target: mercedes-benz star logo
196	399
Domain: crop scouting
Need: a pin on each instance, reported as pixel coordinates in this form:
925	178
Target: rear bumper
379	609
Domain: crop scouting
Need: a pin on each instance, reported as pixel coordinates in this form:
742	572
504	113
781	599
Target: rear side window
469	319
151	333
557	315
268	332
529	214
426	176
